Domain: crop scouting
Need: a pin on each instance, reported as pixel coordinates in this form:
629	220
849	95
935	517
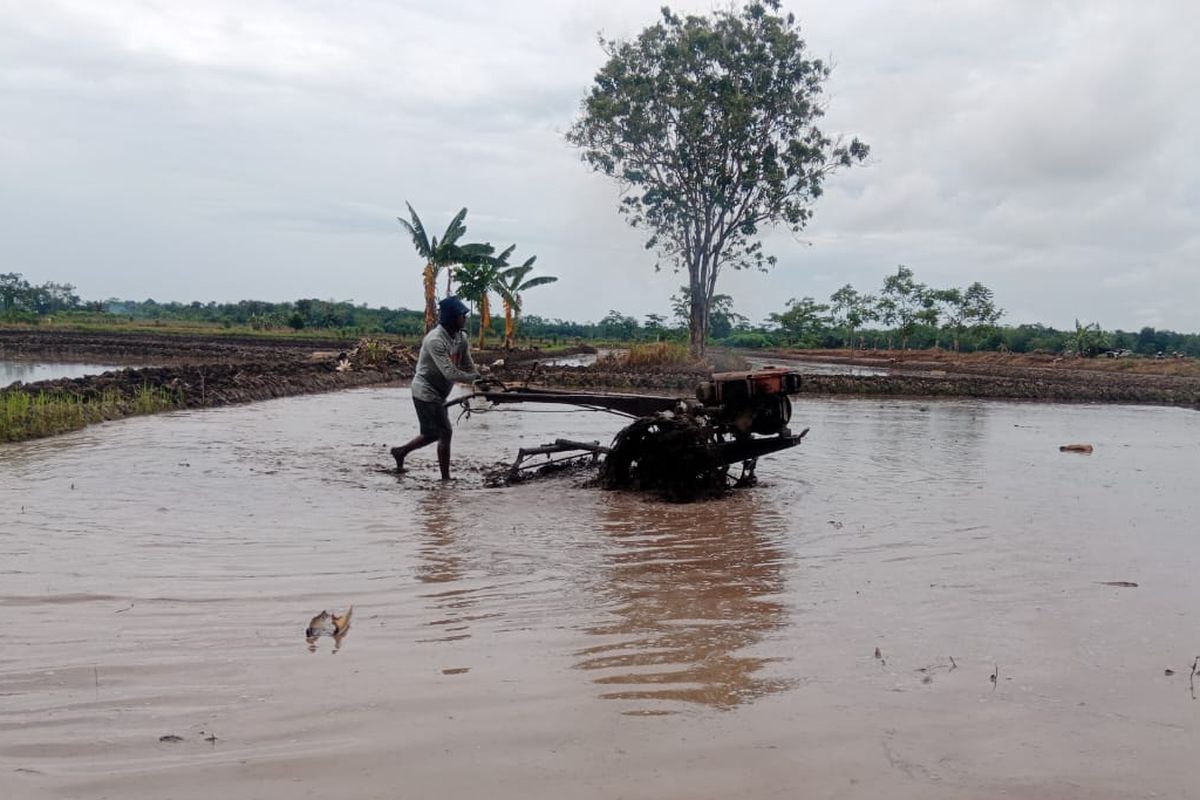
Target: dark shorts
434	419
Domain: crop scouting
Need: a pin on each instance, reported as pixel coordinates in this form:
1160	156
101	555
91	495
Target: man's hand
484	384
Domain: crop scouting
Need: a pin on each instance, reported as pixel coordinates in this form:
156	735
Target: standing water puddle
33	371
551	640
815	367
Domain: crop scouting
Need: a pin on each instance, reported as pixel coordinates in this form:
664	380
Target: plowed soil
1173	382
217	370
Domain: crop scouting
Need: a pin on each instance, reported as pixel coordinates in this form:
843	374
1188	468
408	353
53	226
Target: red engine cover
731	387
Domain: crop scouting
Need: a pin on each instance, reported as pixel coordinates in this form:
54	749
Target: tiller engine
681	448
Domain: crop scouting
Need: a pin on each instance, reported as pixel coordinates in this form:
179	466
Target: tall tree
973	307
513	283
441	254
906	303
981	306
14	290
722	319
851	309
803	321
616	325
709	125
954	310
655	325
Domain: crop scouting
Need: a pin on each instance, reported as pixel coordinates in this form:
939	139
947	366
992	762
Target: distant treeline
905	314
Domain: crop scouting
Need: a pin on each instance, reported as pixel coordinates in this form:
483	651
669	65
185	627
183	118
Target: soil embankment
601	377
1042	377
206	371
157	349
187	372
929	374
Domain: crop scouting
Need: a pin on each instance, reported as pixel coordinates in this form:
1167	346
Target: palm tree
439	255
512	284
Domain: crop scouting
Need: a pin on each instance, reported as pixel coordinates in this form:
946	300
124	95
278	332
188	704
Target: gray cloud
225	150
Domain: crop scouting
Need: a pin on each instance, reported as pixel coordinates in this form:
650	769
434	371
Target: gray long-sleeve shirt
445	359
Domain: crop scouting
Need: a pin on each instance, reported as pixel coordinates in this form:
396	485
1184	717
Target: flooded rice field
925	600
32	371
811	367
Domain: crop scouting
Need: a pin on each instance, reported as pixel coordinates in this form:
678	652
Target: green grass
31	416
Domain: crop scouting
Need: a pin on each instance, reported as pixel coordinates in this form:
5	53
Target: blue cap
451	308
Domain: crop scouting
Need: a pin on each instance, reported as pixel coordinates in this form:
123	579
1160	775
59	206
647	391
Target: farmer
445	359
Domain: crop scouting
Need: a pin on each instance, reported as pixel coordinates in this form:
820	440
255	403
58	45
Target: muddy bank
601	377
210	371
142	348
220	384
195	379
1025	376
206	371
930	380
1062	388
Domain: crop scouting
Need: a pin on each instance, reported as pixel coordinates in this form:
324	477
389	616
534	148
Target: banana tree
477	280
441	254
512	284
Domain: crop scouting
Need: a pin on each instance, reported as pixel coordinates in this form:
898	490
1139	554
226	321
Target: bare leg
443	453
399	453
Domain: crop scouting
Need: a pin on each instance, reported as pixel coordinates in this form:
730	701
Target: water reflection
443	560
440	552
690	590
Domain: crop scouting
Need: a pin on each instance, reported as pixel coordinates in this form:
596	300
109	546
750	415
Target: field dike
51	407
210	371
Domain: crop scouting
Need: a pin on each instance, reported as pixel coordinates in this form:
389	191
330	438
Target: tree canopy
709	125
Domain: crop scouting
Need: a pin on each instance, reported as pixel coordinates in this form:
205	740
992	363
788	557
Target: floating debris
170	738
1075	448
1120	584
326	624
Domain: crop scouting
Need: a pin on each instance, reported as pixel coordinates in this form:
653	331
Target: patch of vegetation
30	416
650	354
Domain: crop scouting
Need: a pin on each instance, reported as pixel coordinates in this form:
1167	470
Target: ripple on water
164	569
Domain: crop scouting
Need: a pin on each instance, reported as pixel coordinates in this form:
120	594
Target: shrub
748	339
650	354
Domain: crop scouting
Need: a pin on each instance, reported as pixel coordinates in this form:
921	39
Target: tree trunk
485	319
697	327
509	327
430	298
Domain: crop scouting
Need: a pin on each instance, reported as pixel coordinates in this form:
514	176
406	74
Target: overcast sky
261	149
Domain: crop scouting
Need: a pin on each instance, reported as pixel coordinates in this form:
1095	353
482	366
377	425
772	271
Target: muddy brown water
551	640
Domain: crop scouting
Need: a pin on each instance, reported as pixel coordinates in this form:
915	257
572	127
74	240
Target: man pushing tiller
445	359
